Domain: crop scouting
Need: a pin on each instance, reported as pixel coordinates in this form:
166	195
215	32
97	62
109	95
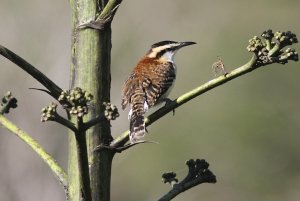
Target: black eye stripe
159	54
162	43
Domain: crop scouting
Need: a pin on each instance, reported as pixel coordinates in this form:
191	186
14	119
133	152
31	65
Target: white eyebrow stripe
156	50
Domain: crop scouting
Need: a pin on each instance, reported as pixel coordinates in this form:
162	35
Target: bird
149	84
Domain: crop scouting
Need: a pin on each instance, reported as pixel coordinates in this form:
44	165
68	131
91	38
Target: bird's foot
121	148
168	102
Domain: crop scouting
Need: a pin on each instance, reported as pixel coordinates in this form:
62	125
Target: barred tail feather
139	106
137	128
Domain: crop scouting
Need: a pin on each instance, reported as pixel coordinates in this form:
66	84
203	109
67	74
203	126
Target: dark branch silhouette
198	173
54	90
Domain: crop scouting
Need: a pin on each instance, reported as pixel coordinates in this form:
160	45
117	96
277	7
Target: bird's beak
183	44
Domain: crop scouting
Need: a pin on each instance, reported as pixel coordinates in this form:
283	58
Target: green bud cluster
8	101
198	173
288	54
49	112
169	177
286	38
268	35
269	48
79	110
199	168
78	99
111	111
255	44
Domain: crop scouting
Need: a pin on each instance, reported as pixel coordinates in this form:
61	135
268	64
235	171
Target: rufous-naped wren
149	84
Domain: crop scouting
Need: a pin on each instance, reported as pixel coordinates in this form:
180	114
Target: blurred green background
248	129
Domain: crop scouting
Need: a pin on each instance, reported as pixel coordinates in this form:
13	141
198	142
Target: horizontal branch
94	121
54	90
248	67
36	147
49	113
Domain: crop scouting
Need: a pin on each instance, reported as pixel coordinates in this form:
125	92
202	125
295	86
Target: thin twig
110	113
49	113
110	10
59	119
35	73
36	147
94	121
83	164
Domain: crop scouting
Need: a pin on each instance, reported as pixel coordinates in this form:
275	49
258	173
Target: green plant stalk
3	108
36	147
268	44
274	49
73	172
248	67
90	70
109	8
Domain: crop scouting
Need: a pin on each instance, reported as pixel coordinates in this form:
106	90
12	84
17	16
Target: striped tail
137	128
137	121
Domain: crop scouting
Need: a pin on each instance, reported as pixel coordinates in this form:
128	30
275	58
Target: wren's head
166	49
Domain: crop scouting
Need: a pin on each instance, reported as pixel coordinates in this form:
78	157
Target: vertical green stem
73	173
90	70
101	161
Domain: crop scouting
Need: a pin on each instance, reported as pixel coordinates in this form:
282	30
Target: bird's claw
121	148
168	102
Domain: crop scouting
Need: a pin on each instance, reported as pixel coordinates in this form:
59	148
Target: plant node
111	111
269	49
49	112
78	99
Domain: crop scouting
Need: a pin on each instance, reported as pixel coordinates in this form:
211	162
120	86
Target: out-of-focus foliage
248	129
